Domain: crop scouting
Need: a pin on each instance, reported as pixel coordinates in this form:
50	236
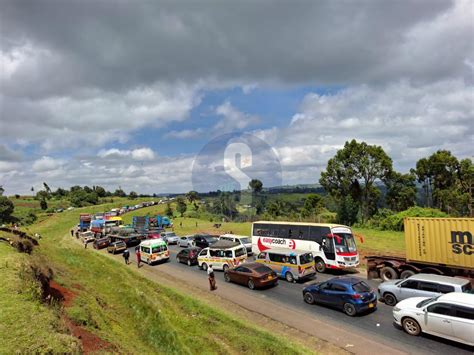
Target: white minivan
244	240
222	255
449	316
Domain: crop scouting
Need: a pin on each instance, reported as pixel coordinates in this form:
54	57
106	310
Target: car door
407	289
241	275
184	256
427	289
463	324
438	319
198	242
323	296
335	295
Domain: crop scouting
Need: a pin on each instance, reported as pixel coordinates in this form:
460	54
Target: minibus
154	250
291	265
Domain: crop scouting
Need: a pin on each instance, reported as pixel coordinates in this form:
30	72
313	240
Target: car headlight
396	309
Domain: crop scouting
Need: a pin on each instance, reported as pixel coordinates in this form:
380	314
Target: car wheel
320	265
289	277
177	259
225	268
204	266
411	326
389	299
189	263
388	273
227	277
251	284
308	298
350	309
406	274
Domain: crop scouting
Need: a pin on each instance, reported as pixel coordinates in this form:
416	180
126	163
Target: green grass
140	316
26	325
380	242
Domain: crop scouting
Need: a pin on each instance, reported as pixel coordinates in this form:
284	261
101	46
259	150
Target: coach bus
333	246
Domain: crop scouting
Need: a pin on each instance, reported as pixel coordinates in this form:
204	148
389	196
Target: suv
245	241
449	316
204	240
101	243
116	247
421	285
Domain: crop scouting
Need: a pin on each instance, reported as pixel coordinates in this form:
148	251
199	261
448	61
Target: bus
333	246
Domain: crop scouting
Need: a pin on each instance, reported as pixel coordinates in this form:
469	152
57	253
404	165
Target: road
377	325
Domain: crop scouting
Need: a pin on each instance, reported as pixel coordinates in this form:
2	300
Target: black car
204	240
188	256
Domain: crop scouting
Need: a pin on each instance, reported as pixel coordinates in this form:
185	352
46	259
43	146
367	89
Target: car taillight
300	269
356	296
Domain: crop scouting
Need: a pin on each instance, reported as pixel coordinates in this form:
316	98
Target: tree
192	197
87	189
120	193
6	209
169	210
466	182
133	195
43	204
255	185
353	171
2	190
401	191
100	191
41	195
47	188
181	205
347	211
60	192
312	205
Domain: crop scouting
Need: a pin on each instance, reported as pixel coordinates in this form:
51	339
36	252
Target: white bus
332	245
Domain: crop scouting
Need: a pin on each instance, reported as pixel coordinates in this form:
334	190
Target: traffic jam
429	292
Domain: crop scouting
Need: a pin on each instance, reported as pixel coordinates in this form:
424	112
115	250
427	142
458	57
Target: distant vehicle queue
297	251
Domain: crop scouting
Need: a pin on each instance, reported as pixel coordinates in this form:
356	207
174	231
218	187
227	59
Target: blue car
349	294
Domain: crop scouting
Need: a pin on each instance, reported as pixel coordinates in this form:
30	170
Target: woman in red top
139	257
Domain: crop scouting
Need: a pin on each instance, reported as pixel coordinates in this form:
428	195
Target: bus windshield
344	243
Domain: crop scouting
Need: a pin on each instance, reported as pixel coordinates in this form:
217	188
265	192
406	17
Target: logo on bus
462	242
277	242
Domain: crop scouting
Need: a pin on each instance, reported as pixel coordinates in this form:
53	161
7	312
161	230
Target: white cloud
143	154
185	133
135	154
47	164
233	119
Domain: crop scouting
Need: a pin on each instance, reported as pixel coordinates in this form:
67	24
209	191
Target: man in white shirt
212	279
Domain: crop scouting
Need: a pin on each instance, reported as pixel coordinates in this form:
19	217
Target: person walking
139	257
72	232
180	224
85	244
126	256
212	278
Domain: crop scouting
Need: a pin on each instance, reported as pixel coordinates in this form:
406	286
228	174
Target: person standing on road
139	257
212	278
126	256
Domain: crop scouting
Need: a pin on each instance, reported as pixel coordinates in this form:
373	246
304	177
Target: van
222	255
291	265
244	240
154	250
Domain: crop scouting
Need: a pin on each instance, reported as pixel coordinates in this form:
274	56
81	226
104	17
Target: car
116	247
350	294
87	237
204	240
170	237
449	316
244	240
188	256
253	275
186	241
100	243
421	285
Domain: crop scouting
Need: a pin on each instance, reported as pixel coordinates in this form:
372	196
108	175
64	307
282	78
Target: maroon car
253	275
188	256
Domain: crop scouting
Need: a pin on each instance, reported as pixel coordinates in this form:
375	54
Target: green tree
60	192
181	205
313	205
41	195
47	189
169	210
192	197
401	191
466	182
256	186
100	191
43	204
120	193
133	195
2	190
6	209
348	211
353	171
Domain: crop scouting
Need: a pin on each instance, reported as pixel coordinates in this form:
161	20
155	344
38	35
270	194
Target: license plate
371	305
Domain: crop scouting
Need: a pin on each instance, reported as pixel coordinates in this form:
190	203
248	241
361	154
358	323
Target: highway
377	325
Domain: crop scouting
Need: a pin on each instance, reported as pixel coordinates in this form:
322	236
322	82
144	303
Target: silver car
421	285
170	237
186	241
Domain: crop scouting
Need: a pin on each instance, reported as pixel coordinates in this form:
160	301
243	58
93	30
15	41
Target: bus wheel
320	265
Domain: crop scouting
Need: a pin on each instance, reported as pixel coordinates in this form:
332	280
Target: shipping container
441	241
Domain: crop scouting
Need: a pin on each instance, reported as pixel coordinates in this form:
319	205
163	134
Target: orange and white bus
332	245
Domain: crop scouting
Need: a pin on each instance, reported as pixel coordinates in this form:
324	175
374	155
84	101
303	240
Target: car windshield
306	258
171	234
361	287
344	243
240	252
427	301
210	239
246	240
158	249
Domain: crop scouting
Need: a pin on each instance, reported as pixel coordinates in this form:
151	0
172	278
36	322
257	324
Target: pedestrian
180	224
139	257
126	256
196	224
77	234
212	278
85	244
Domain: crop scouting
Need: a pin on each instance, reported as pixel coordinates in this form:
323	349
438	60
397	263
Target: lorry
84	221
442	246
141	223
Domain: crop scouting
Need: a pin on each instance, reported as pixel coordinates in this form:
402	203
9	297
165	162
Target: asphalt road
375	325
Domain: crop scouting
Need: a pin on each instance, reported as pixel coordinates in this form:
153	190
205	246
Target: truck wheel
406	274
389	299
320	265
411	326
388	273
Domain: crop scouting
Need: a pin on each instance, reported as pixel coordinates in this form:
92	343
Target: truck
442	246
141	223
84	221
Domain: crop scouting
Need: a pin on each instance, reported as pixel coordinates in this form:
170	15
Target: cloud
185	133
6	154
143	154
47	164
233	119
135	154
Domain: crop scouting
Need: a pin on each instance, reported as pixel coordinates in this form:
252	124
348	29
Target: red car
253	275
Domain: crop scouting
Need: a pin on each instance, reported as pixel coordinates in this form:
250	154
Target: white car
449	316
186	241
244	240
170	237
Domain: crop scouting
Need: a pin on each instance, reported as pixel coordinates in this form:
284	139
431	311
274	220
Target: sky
130	94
